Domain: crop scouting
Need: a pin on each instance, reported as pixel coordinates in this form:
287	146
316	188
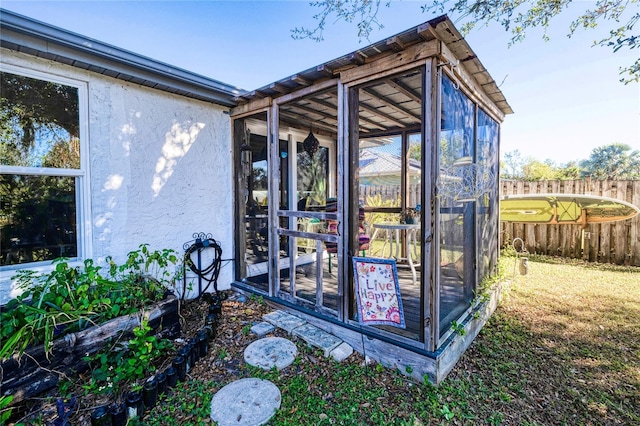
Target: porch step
317	338
312	335
284	320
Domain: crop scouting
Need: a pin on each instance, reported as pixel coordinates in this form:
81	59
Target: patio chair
332	228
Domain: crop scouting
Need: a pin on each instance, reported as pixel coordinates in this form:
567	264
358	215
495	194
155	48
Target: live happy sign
378	292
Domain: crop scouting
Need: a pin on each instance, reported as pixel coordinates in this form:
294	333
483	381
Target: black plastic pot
186	356
150	393
172	376
194	349
211	323
162	383
101	417
135	406
118	414
180	366
215	307
203	343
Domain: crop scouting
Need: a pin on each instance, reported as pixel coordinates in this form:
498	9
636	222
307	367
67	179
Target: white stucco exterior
159	168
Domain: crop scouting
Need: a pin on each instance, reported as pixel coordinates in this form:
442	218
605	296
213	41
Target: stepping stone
284	320
245	402
271	352
317	338
341	352
262	328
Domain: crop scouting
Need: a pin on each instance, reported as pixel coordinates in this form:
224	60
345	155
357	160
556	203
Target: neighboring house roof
383	168
27	35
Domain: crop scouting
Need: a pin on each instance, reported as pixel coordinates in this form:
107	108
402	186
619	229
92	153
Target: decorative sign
378	292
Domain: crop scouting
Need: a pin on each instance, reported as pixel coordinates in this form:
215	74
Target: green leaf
115	310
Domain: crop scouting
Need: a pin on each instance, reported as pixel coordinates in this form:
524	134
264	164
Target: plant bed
78	394
38	370
65	317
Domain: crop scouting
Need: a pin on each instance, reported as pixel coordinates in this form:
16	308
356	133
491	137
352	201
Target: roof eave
36	38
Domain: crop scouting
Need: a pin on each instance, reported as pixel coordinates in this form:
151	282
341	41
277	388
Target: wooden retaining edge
34	372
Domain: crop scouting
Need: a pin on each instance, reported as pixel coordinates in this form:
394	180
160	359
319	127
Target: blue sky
566	95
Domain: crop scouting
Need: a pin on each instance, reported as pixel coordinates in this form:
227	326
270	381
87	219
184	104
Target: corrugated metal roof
36	38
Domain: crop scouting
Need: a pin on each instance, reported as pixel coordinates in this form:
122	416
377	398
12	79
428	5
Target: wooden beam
249	96
430	205
392	64
324	70
300	80
240	99
395	44
251	107
384	115
427	32
404	89
328	104
356	58
311	111
301	121
279	88
307	91
471	84
389	103
257	94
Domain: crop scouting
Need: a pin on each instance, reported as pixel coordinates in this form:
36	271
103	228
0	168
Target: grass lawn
562	348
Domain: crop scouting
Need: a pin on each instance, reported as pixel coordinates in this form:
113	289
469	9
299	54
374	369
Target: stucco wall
159	166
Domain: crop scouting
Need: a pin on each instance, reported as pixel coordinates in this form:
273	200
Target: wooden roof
390	103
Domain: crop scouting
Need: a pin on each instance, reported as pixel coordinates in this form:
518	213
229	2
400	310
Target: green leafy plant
126	363
154	269
69	299
446	412
5	412
222	354
458	328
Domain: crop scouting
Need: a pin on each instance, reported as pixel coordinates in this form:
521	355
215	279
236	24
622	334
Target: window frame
82	175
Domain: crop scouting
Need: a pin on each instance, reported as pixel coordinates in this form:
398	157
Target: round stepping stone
271	352
245	402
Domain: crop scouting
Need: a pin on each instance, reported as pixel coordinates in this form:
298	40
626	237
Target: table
411	230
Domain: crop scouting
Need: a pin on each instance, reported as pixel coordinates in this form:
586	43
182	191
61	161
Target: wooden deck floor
450	297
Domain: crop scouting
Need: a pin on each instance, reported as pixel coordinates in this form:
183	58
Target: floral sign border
378	292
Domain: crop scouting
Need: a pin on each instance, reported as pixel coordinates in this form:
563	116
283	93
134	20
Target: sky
566	95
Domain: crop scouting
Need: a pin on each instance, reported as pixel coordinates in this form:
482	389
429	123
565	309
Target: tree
516	16
538	170
511	166
571	170
614	161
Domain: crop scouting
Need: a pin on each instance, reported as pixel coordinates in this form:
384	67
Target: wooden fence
613	242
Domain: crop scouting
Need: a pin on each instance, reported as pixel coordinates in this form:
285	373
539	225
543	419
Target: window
42	175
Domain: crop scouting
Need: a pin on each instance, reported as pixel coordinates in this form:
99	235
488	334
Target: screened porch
385	157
